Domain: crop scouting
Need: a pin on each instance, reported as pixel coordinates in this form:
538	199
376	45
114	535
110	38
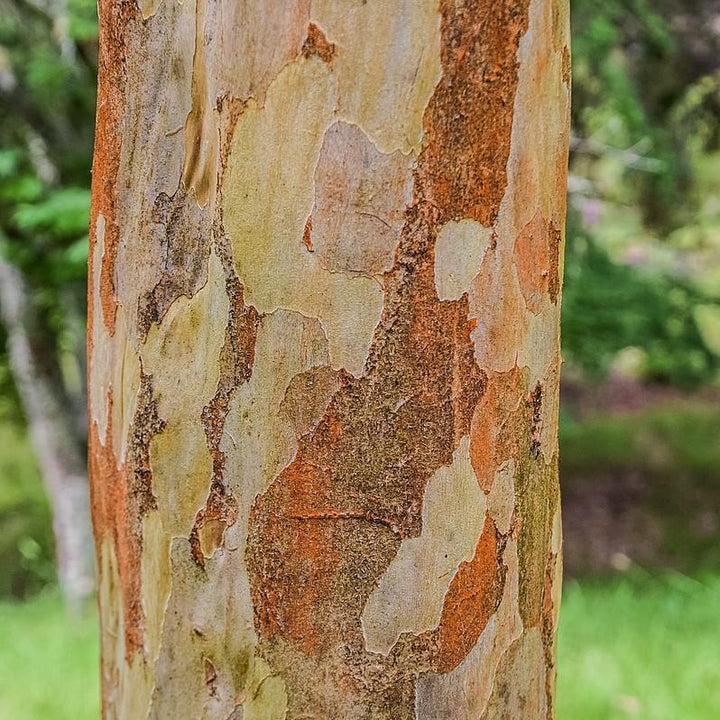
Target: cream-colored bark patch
384	84
148	7
190	337
541	345
519	690
251	42
410	595
155	585
459	251
268	196
207	666
499	307
360	199
114	367
501	498
259	438
266	698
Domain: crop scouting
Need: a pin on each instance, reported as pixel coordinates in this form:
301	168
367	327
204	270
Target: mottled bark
324	356
53	431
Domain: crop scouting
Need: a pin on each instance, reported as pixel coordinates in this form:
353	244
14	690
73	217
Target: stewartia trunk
324	323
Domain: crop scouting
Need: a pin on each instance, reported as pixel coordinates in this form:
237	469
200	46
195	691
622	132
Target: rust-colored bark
324	357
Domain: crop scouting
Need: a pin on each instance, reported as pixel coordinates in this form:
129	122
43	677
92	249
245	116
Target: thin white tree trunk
54	439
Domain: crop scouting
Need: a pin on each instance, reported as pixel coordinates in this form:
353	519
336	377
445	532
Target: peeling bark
324	357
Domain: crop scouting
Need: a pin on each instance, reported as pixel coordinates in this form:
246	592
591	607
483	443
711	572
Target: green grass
48	662
646	649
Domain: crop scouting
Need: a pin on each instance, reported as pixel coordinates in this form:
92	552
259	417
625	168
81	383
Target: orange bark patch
468	122
493	436
108	497
471	600
537	249
115	22
307	559
317	44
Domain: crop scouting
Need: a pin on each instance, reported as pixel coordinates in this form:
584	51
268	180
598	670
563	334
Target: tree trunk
51	425
324	356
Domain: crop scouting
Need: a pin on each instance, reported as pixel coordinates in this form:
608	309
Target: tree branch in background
632	157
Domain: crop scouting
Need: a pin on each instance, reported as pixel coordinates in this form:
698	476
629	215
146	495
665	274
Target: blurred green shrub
48	67
608	306
646	101
26	545
645	78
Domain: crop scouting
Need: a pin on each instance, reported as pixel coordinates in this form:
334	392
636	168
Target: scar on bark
566	65
307	235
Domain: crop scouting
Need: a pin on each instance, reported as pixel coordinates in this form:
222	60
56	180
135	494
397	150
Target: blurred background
640	418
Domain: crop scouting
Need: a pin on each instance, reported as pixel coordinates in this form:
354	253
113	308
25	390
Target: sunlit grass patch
641	648
48	662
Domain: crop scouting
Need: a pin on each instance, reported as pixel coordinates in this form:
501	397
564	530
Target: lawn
48	662
647	649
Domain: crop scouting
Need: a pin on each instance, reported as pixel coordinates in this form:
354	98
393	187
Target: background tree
47	68
324	357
